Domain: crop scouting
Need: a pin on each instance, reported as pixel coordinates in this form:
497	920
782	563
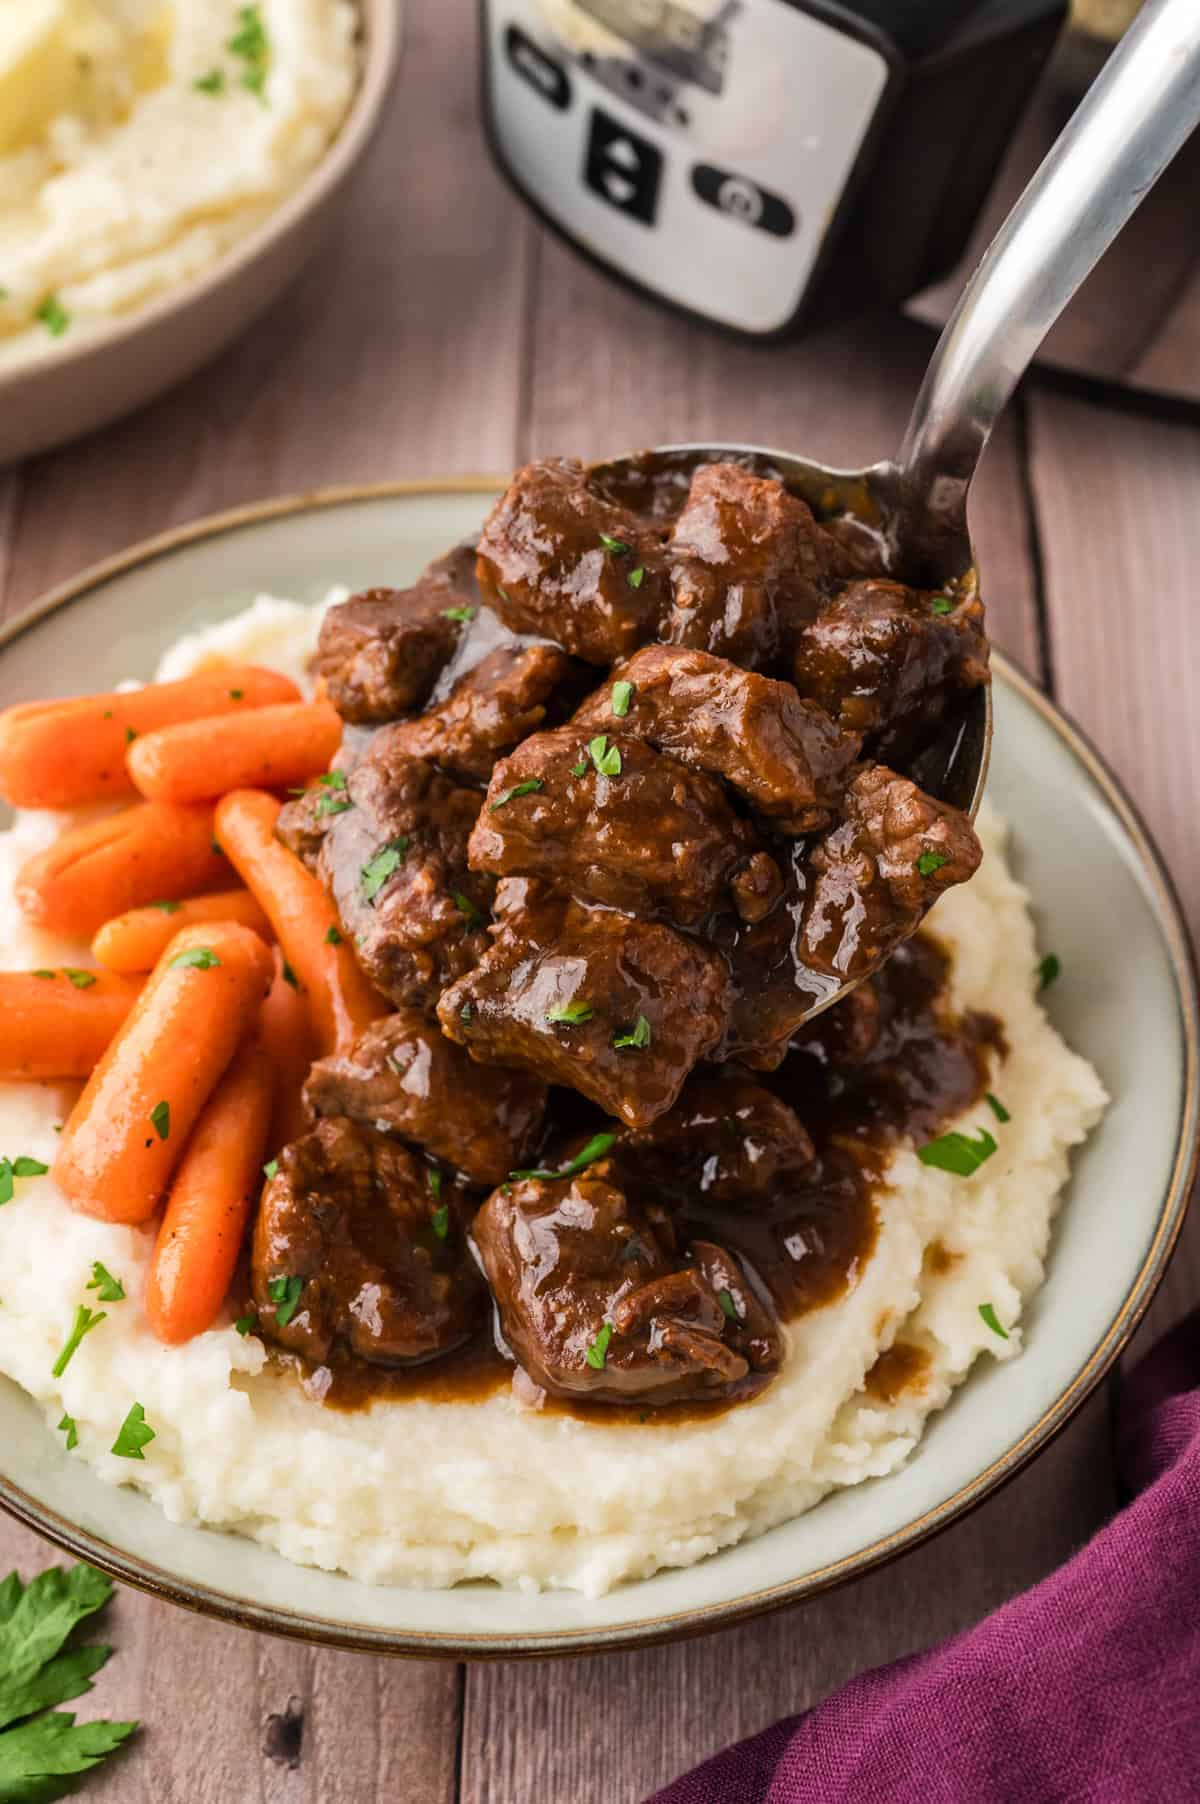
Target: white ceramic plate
1126	999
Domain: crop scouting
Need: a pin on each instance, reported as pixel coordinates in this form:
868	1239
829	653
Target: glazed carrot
135	940
126	1133
265	748
59	1023
125	860
341	1002
286	1032
57	754
210	1199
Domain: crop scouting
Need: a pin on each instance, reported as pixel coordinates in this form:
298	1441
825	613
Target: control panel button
542	73
740	198
623	168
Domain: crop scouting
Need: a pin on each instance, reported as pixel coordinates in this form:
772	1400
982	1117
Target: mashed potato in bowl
432	1492
140	140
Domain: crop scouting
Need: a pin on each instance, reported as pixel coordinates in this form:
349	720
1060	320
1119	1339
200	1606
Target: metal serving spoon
1137	115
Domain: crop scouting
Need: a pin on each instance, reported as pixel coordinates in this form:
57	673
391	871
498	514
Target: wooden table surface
442	331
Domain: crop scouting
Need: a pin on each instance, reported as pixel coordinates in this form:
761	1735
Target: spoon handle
1138	113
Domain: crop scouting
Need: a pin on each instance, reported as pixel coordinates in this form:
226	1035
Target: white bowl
118	366
1126	999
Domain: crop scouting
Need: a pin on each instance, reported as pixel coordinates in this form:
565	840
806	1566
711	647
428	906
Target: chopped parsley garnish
70	1427
997	1107
929	862
289	976
332	779
53	315
285	1294
942	604
167	908
441	1220
237	695
606	758
85	1320
958	1152
332	937
530	787
434	1176
466	1014
618	547
636	577
597	1351
111	1289
196	958
638	1035
577	770
23	1167
725	1299
6	1181
1048	970
384	864
160	1120
460	615
134	1434
993	1321
212	83
333	804
270	1168
595	1149
42	974
466	908
250	43
622	695
571	1013
218	851
83	980
244	1323
130	735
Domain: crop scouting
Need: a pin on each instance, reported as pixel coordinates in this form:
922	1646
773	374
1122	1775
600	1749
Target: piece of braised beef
489	710
750	565
784	756
727	1142
359	1248
616	1008
595	1300
611	820
405	1077
380	652
558	559
886	661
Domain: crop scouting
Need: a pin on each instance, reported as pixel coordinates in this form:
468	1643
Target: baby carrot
125	860
126	1133
264	748
57	754
59	1023
210	1199
341	1001
286	1032
135	940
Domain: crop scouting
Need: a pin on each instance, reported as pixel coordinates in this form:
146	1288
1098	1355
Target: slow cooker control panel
701	149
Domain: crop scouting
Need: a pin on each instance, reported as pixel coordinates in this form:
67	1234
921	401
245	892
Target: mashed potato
139	140
427	1493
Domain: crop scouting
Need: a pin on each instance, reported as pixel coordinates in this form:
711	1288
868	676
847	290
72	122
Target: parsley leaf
160	1120
622	695
997	1107
636	577
459	615
929	862
942	604
37	1757
70	1427
580	769
270	1168
334	804
597	1351
134	1434
618	547
285	1294
638	1035
595	1149
606	758
571	1013
111	1290
385	863
85	1321
251	44
332	779
466	1014
25	1167
83	980
725	1299
1048	970
196	958
441	1220
958	1152
53	315
244	1323
528	788
7	1188
434	1175
466	908
212	83
332	937
289	976
167	908
993	1320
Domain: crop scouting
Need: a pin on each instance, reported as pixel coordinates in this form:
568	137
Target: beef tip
404	1077
558	559
876	873
302	823
847	1033
617	1009
652	835
727	1142
380	652
395	863
488	711
783	755
886	661
595	1301
359	1248
749	566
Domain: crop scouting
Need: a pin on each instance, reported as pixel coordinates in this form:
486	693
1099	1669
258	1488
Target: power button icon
739	198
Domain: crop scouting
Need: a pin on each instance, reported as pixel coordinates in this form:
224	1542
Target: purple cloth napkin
1086	1689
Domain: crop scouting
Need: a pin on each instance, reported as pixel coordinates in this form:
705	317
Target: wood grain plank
1118	497
396	354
